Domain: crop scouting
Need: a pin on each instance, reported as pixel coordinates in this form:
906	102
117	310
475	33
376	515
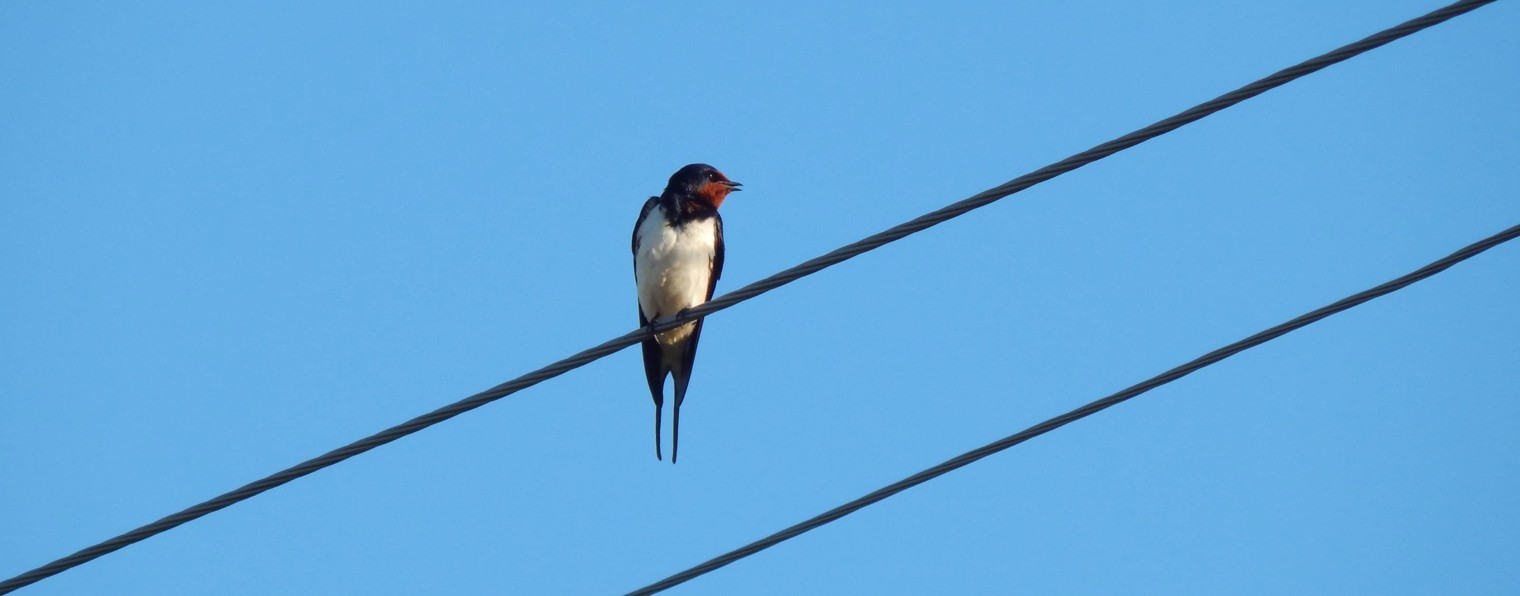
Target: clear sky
234	236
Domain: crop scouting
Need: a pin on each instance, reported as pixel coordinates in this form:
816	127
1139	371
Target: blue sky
234	236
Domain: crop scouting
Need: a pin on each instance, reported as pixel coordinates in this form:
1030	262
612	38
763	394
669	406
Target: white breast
672	268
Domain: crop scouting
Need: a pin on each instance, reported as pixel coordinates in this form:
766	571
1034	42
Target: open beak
733	186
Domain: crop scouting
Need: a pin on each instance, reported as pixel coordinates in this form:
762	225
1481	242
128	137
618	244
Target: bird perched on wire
677	259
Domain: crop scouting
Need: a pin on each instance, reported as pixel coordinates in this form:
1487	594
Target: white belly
672	269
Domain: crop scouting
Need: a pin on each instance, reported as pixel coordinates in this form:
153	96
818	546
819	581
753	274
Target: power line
745	293
1092	408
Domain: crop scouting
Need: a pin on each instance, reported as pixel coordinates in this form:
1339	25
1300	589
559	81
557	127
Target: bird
677	260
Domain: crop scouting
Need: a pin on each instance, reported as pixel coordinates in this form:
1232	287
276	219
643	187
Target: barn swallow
677	259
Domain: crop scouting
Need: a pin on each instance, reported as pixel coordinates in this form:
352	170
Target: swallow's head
703	183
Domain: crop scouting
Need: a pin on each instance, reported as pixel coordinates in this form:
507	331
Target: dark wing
717	258
651	350
648	206
652	368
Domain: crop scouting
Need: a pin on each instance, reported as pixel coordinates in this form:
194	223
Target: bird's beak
733	186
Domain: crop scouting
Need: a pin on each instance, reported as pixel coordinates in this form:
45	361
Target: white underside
672	269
